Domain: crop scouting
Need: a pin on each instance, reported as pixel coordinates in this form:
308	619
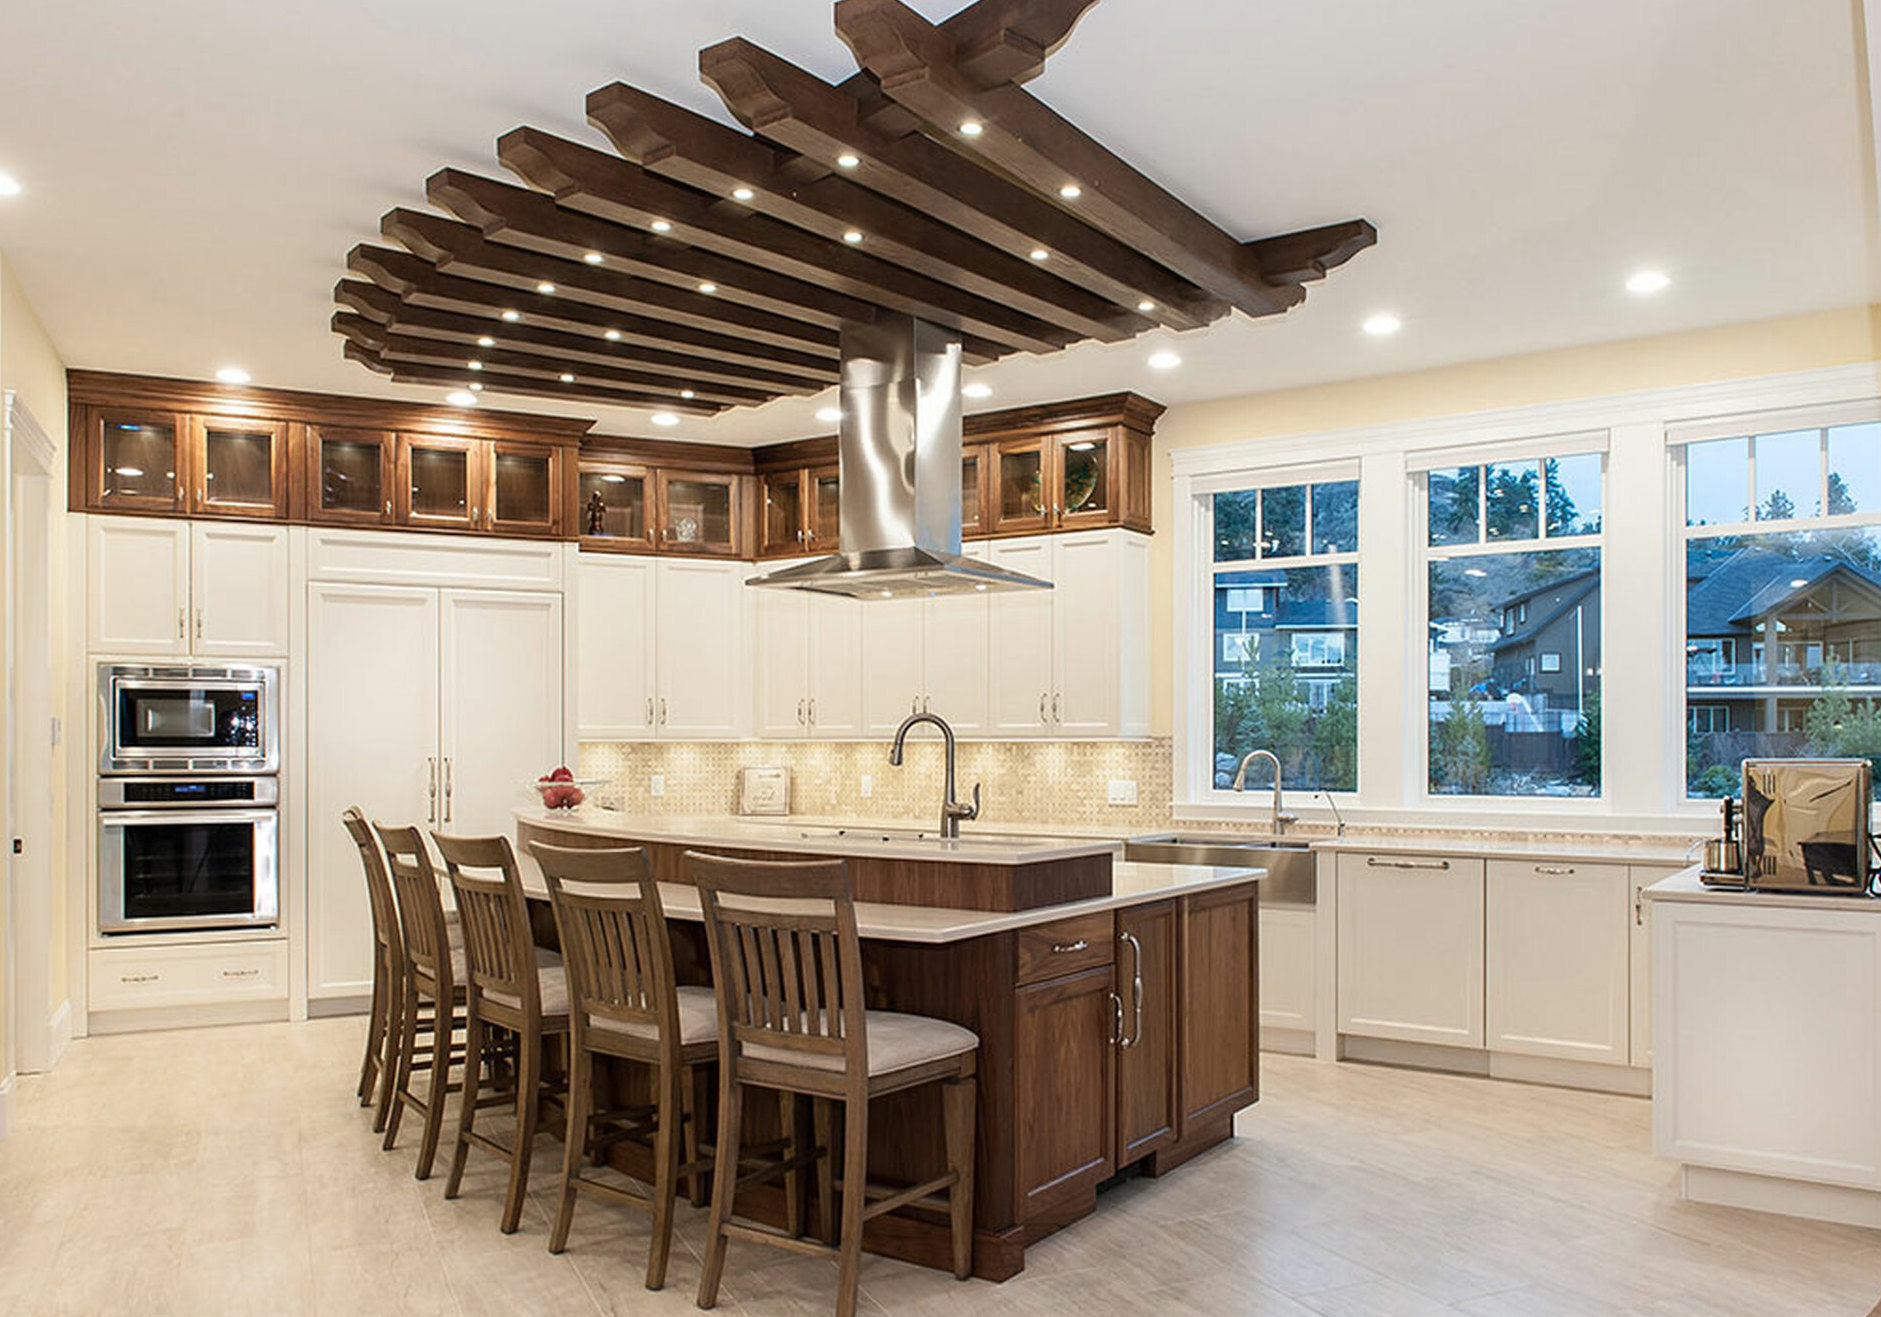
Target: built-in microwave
188	853
188	719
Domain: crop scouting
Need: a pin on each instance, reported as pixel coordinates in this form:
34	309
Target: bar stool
431	991
388	972
787	962
623	1002
514	985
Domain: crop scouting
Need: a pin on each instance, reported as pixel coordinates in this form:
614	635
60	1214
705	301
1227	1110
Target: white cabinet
1020	683
1410	948
661	649
894	674
1558	960
424	706
1287	961
808	660
210	973
958	657
614	647
169	587
1639	930
834	665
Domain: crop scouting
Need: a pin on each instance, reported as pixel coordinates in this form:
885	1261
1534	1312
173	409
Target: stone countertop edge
1684	887
1645	851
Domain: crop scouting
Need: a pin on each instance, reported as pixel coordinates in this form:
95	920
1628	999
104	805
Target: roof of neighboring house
1753	583
1573	589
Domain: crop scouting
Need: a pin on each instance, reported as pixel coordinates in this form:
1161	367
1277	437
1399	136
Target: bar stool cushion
554	980
896	1042
698	1020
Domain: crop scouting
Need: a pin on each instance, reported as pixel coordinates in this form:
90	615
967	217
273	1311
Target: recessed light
1146	306
660	226
1382	325
545	287
612	335
708	288
10	186
687	393
613	479
1040	254
972	128
486	342
980	586
475	387
829	415
233	375
1071	192
742	194
853	236
1164	361
567	378
593	258
976	391
133	471
475	365
665	419
512	316
848	161
460	398
1649	281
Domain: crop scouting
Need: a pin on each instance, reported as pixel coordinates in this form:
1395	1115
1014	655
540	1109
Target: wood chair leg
789	1120
467	1108
389	1053
528	1099
696	1094
574	1142
823	1120
958	1099
401	1078
731	1100
666	1153
855	1198
375	1030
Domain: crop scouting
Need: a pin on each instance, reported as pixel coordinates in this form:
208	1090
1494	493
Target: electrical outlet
868	786
656	785
1122	791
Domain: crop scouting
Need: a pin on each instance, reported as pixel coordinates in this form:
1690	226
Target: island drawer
140	977
1066	946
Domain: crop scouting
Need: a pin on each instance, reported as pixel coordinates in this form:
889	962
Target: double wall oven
188	797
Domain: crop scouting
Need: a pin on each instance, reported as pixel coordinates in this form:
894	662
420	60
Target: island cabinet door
1064	1109
1146	1047
1219	949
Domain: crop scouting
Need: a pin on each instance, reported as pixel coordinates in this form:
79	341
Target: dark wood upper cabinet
238	468
1021	486
782	519
525	490
973	519
137	461
615	507
823	509
351	475
440	482
699	513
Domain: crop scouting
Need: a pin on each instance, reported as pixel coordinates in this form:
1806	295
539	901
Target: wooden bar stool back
513	985
376	1071
787	962
431	990
624	1002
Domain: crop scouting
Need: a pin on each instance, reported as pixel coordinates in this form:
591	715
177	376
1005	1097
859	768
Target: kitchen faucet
952	811
1280	820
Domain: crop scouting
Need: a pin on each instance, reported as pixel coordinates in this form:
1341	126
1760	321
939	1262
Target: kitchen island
1118	1030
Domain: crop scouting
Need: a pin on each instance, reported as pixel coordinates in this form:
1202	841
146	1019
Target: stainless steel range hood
899	450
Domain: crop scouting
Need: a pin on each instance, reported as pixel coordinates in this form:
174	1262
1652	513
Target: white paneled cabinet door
500	679
1021	652
894	678
137	572
782	660
372	732
1091	589
835	673
1639	937
1410	948
702	684
959	658
238	590
614	647
1287	969
1558	960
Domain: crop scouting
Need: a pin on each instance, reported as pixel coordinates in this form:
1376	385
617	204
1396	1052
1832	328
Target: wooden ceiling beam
393	345
999	41
811	194
794	108
409	372
418	281
1305	256
462	249
597	183
683	371
914	62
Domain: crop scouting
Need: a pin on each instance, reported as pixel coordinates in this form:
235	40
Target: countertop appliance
187	853
1805	825
188	720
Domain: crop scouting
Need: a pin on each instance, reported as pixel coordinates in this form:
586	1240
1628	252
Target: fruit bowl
561	789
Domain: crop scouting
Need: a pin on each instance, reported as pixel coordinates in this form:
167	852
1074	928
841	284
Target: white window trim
1646	794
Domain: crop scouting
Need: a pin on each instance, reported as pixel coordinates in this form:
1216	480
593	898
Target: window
1513	558
1286	631
1783	571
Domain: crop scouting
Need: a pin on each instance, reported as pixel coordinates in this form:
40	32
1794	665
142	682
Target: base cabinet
1410	948
1288	956
1639	940
1558	960
1219	997
1148	1092
1063	1032
211	973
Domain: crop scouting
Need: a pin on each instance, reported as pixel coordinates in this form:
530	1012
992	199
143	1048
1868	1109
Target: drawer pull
1554	868
138	978
1066	948
1372	861
240	973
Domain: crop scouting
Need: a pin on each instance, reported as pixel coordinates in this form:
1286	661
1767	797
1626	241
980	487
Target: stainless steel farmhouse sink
1292	871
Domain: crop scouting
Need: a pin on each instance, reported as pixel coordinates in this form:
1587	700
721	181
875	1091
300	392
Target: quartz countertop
1684	886
792	833
1131	883
1644	850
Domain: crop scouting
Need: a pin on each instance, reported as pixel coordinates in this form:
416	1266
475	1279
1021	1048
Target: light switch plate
656	785
1122	791
868	786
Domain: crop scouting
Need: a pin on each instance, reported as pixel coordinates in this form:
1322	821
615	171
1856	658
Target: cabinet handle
813	711
1066	948
199	624
1554	868
240	973
447	789
388	507
181	623
1372	861
431	789
914	704
1136	991
927	704
802	718
662	711
138	978
1043	716
1058	708
1116	1019
1639	907
650	721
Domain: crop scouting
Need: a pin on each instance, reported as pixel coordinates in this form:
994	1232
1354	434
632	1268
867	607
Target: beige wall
31	367
1766	347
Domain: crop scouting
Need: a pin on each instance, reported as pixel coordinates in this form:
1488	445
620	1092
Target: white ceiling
195	171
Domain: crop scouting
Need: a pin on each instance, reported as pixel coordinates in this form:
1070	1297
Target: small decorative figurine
597	514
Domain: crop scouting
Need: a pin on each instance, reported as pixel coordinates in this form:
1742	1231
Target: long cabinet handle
803	719
1058	707
431	789
1136	991
1043	715
199	624
650	722
1116	1020
182	623
1372	861
1554	868
1639	907
662	711
447	789
813	711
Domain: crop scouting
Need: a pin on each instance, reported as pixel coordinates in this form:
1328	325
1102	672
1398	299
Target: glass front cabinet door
783	520
825	510
351	475
1022	486
972	493
136	461
1084	479
525	490
440	482
615	507
238	468
698	514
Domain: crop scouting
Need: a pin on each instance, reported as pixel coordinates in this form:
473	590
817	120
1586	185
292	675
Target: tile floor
228	1171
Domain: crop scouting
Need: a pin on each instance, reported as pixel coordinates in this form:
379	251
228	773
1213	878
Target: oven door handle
108	818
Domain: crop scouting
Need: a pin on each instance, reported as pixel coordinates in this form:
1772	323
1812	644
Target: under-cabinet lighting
976	390
593	258
459	398
1164	361
233	375
545	287
486	342
1649	281
665	419
742	194
1382	325
848	161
